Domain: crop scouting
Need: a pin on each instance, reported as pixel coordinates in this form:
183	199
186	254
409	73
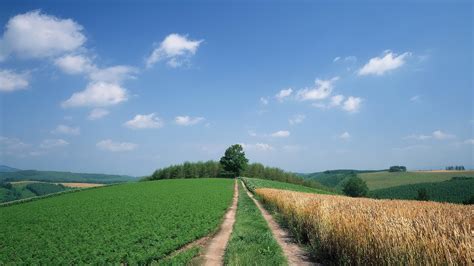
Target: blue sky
127	88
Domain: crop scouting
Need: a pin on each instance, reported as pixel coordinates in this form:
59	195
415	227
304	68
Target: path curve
214	253
293	253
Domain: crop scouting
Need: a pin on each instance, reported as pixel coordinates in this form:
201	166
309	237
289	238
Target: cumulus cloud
97	113
345	136
336	100
438	135
66	130
415	98
175	49
264	101
12	146
352	104
280	134
114	74
37	35
97	94
257	147
11	81
296	119
187	120
144	121
112	146
53	143
380	65
283	94
75	64
321	90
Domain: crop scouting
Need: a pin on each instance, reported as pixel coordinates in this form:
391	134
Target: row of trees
397	168
456	168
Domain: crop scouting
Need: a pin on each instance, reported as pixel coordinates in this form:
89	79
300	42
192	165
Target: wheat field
377	232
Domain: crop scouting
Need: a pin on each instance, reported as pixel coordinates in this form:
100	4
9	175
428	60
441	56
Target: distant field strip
356	231
129	223
379	180
254	183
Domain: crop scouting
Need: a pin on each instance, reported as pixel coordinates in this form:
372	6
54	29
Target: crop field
254	183
252	242
358	231
379	180
454	191
130	223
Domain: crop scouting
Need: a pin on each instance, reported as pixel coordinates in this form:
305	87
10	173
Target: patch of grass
379	180
252	242
134	223
254	183
454	191
182	258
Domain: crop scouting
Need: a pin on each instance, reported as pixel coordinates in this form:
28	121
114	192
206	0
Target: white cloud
175	49
109	145
97	113
380	65
440	135
336	100
281	134
114	74
98	94
12	146
415	98
285	93
345	136
144	121
337	58
264	101
75	64
352	104
187	120
36	35
469	141
252	133
419	137
11	81
297	119
53	143
66	130
257	147
321	90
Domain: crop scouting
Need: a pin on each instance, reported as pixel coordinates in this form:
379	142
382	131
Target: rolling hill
57	176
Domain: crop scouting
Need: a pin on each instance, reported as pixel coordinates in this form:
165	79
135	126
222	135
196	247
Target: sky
129	87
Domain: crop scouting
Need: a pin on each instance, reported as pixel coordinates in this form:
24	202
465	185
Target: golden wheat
377	232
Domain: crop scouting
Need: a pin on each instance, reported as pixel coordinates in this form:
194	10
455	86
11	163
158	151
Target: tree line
456	168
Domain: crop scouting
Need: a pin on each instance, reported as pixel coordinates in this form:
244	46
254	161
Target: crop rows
376	232
130	223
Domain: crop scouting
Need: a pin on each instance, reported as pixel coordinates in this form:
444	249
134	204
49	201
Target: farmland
376	232
379	180
129	223
254	183
27	189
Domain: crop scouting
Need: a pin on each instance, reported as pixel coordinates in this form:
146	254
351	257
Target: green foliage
397	168
133	223
58	177
379	180
456	190
41	189
254	183
355	187
422	194
334	178
209	169
469	200
234	160
252	242
182	258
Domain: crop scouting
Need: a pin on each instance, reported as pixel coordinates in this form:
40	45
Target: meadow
129	223
254	183
360	231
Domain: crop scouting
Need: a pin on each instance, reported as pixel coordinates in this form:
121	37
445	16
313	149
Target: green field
130	223
379	180
252	242
454	191
253	183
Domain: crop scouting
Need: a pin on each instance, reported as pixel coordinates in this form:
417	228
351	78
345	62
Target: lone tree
234	161
355	187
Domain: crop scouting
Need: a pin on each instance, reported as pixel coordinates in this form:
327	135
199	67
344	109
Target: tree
422	195
234	160
355	187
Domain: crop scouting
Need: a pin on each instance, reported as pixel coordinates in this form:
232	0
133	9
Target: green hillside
334	178
455	191
56	176
379	180
133	223
254	183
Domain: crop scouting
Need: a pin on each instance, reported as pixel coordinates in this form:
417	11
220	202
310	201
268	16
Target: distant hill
56	176
334	178
4	168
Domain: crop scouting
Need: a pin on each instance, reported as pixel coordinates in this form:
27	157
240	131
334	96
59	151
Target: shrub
355	187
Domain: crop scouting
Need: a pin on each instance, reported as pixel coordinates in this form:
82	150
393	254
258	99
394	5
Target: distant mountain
56	176
5	168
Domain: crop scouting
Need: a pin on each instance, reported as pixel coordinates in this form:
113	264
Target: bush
355	187
422	195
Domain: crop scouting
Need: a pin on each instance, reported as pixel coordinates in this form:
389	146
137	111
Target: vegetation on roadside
252	242
254	183
131	223
360	231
